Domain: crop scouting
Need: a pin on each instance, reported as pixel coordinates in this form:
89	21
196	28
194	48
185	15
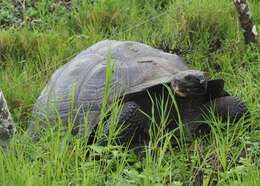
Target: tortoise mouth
198	91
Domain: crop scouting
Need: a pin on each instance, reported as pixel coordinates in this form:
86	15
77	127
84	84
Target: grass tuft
37	37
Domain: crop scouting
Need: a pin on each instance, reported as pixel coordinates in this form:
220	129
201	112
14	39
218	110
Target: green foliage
37	37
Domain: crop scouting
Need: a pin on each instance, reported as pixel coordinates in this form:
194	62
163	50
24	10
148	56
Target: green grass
37	39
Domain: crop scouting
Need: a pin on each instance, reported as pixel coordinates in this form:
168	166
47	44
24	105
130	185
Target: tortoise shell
79	86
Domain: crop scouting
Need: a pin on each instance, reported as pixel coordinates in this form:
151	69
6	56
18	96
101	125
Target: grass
35	39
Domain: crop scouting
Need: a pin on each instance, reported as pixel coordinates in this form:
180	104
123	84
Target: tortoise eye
189	78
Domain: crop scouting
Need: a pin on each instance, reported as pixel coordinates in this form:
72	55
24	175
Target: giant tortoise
140	74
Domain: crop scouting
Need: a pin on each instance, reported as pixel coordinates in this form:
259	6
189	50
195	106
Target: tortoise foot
132	124
230	107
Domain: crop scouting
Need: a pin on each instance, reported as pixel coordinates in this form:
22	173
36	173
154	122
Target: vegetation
37	37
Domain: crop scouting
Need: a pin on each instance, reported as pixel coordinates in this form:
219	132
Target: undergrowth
37	37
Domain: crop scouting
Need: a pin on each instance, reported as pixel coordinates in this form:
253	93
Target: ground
37	37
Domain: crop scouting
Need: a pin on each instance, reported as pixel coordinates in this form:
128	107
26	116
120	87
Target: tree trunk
246	21
7	126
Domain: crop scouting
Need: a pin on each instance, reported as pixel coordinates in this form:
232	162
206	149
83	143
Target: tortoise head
190	83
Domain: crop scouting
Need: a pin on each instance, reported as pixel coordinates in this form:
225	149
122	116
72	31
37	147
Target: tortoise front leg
224	105
7	126
229	107
133	125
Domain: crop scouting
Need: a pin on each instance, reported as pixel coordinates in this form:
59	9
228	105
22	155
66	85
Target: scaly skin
133	124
